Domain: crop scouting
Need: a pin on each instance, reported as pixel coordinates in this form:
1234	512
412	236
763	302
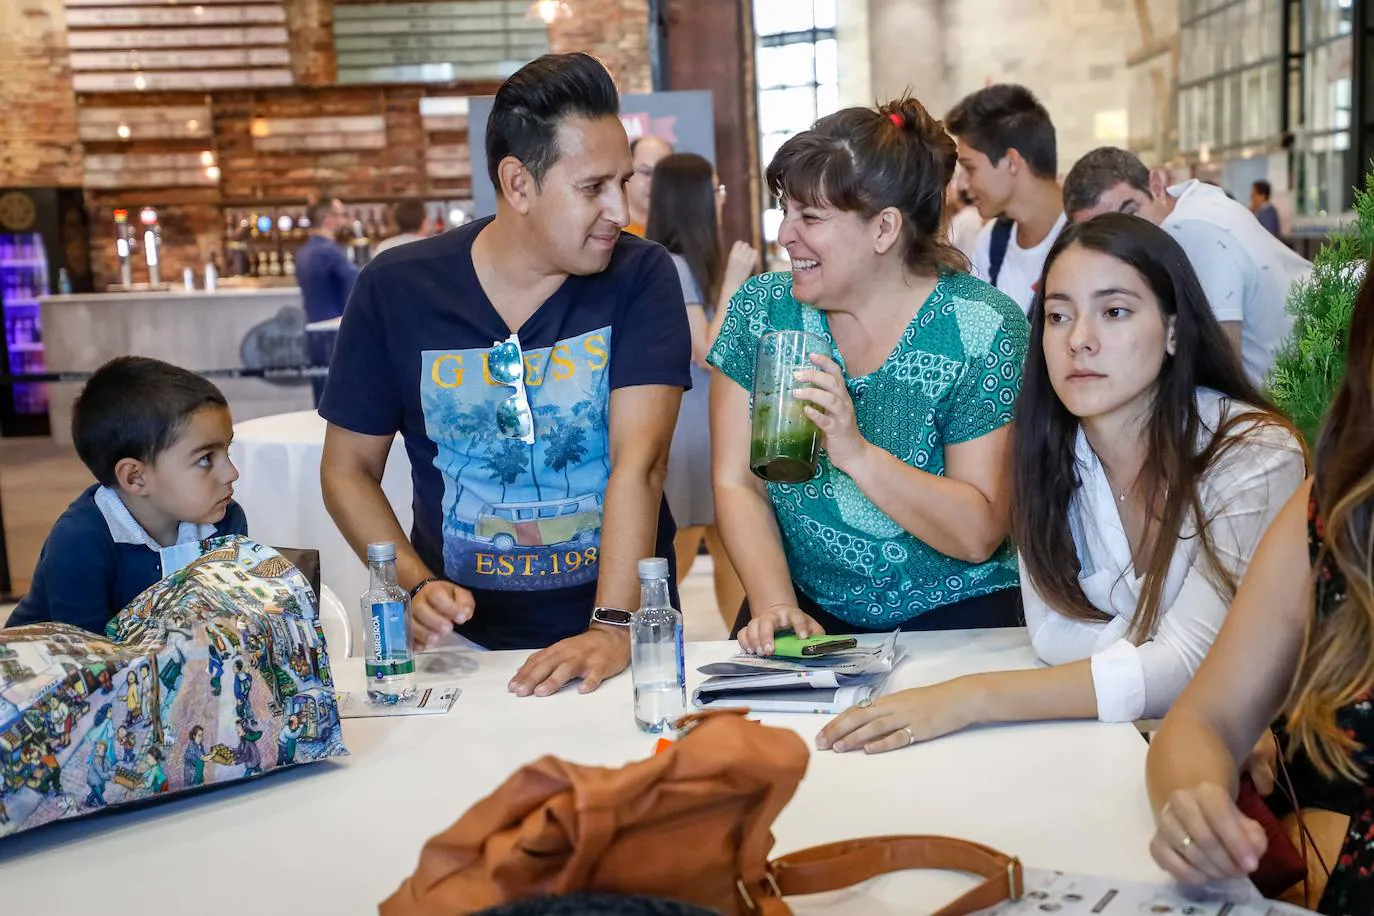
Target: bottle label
390	653
681	661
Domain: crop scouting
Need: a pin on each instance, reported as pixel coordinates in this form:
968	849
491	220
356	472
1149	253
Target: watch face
612	616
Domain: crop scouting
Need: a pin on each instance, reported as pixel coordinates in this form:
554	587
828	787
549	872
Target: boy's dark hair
1100	171
530	105
409	214
135	407
1003	117
1263	188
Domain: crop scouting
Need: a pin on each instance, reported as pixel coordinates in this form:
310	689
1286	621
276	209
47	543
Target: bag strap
838	865
997	248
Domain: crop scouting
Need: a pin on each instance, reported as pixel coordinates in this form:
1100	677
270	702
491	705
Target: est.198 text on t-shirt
518	524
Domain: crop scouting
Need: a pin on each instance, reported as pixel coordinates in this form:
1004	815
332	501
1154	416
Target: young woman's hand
1202	836
902	719
739	266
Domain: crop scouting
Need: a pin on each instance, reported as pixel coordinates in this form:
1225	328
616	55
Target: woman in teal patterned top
905	524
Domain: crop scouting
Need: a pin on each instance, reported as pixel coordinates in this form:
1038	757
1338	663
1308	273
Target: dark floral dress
1350	892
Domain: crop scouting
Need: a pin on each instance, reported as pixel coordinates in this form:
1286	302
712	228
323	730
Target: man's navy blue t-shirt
518	524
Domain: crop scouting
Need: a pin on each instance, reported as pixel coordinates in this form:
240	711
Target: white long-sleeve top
1241	494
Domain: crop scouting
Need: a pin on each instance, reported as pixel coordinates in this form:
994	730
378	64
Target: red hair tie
896	118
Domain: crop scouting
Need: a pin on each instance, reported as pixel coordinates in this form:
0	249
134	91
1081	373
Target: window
1324	160
1231	75
797	69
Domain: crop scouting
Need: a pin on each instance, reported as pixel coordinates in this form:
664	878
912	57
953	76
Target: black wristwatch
612	617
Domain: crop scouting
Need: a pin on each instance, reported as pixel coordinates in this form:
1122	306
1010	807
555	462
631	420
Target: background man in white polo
1244	270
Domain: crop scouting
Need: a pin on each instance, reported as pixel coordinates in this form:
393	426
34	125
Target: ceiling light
549	11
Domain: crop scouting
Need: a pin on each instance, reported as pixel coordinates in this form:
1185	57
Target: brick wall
617	31
38	145
311	26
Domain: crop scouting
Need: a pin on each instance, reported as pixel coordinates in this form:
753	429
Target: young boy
156	437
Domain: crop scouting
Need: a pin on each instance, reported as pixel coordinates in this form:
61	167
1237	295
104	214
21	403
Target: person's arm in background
696	312
739	266
1194	760
364	410
1221	265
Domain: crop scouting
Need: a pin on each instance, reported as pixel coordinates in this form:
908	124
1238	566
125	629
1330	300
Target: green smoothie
785	443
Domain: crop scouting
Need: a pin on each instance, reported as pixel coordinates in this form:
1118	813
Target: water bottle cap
653	568
383	550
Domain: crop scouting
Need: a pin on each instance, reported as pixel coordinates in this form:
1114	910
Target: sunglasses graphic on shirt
506	364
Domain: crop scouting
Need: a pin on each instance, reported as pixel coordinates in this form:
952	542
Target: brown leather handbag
691	823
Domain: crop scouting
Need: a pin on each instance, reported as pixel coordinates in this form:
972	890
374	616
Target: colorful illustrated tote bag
217	673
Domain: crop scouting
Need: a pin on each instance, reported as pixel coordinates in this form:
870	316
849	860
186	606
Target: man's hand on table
593	656
436	609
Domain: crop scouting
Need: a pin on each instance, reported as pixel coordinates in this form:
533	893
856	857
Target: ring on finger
865	702
910	736
1185	842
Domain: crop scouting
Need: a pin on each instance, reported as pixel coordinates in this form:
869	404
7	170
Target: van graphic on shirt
518	516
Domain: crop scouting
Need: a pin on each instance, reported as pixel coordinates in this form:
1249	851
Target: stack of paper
1067	895
827	684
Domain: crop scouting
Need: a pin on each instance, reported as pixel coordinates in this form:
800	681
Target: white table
338	837
279	488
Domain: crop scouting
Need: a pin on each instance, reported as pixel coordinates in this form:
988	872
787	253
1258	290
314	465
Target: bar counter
198	330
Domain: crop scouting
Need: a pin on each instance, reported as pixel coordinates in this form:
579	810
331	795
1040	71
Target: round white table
278	459
337	837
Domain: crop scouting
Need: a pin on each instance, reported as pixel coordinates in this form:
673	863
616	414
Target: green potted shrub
1309	369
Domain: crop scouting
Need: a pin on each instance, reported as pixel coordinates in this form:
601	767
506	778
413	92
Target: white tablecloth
336	838
279	488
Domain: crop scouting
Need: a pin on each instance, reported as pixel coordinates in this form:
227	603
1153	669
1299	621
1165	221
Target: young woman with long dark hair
1145	469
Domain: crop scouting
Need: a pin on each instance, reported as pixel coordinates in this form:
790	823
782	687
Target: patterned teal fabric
954	376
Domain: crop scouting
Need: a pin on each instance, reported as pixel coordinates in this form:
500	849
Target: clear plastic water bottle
389	661
656	662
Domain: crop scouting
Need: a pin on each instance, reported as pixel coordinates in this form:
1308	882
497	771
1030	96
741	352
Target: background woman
684	217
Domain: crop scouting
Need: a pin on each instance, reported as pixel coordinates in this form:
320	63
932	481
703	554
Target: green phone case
789	646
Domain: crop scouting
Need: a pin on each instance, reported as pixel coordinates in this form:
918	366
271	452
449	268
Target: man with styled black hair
1008	152
533	362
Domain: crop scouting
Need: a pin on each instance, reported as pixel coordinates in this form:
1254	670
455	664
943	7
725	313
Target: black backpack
997	251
